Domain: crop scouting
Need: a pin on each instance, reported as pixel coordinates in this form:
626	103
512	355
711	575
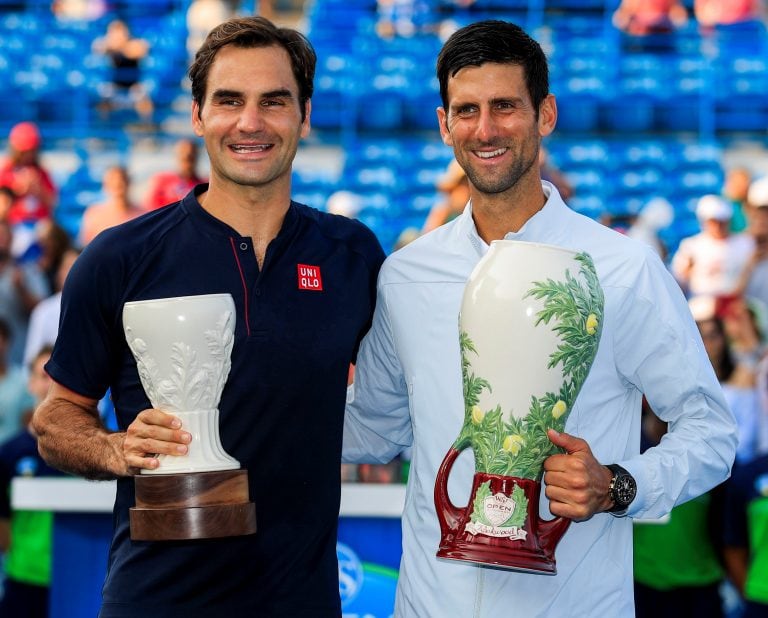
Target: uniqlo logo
310	278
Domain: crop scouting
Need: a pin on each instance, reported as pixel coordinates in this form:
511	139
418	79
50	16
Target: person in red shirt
718	13
22	172
642	17
168	187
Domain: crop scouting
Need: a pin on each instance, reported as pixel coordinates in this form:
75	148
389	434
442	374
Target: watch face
624	490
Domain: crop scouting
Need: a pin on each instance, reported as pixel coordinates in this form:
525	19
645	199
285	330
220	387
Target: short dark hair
494	41
250	32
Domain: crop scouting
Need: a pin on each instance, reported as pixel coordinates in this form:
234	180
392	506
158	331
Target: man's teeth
488	155
259	148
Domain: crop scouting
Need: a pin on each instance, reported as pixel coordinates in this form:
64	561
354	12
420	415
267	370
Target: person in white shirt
496	108
713	261
44	319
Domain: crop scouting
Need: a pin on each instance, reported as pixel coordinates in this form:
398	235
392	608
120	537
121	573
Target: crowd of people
716	537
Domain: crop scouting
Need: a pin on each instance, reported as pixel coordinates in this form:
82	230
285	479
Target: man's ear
547	115
442	121
197	123
306	126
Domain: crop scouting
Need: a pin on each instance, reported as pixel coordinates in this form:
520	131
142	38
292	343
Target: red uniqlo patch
310	278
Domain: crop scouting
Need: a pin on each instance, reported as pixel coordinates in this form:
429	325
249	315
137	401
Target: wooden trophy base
194	505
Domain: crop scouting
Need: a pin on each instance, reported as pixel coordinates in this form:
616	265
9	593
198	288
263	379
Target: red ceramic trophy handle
447	514
551	531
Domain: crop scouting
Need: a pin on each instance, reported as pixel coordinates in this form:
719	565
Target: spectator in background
401	18
345	203
406	237
23	173
26	536
735	187
52	242
712	262
22	286
734	346
454	186
655	215
44	320
677	568
643	17
754	279
125	54
202	17
14	398
168	187
551	173
79	10
117	207
711	13
745	542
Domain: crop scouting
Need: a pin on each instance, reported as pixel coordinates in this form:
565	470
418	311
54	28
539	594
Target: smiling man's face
251	116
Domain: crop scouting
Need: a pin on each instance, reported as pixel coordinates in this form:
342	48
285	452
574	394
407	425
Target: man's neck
497	215
255	214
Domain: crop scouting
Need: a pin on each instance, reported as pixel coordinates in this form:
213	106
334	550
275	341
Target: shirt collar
211	225
542	225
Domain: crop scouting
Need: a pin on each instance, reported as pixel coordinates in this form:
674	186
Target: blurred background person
654	216
551	173
454	187
116	208
734	346
22	172
14	397
677	566
406	237
44	320
202	16
754	279
712	262
125	54
26	536
79	10
22	287
746	535
641	17
345	203
711	13
171	186
735	188
402	18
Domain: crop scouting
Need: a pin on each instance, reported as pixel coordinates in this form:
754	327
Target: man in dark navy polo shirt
303	283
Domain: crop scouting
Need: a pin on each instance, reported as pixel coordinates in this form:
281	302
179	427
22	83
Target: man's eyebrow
225	94
282	93
511	99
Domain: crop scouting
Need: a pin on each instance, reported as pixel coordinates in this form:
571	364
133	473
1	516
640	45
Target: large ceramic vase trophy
182	348
530	324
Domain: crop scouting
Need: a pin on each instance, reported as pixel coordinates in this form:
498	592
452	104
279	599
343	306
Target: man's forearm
72	438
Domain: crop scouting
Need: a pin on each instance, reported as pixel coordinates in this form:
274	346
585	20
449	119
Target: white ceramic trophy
182	348
530	324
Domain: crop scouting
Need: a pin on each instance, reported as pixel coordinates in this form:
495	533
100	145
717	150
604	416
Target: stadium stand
637	119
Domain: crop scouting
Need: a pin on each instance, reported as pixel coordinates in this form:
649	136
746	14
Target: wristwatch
622	490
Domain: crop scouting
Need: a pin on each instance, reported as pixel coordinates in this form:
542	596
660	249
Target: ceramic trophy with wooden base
530	324
182	348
